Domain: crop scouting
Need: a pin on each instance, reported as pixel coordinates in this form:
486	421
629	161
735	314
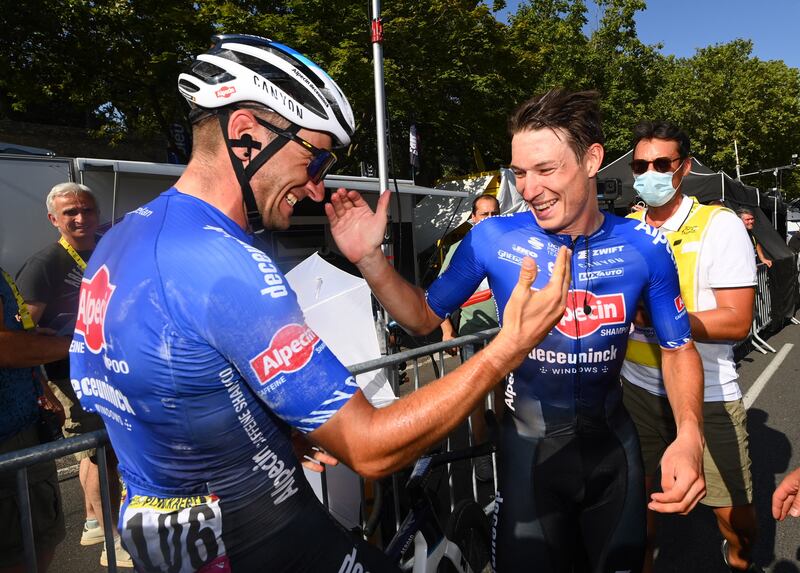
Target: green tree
110	67
626	71
549	46
723	94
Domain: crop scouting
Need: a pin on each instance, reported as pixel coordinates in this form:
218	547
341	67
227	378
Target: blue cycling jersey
192	347
566	380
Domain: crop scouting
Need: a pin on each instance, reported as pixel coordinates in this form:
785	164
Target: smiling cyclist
191	345
571	490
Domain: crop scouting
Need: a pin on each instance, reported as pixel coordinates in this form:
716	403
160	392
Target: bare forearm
683	380
721	324
403	301
404	431
453	403
448	332
24	349
377	442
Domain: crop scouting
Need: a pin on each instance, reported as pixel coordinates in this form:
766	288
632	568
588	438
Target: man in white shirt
717	275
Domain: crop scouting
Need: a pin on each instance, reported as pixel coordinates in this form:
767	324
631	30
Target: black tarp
708	187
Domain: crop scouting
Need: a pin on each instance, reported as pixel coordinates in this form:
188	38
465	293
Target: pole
738	168
383	166
380	94
775	202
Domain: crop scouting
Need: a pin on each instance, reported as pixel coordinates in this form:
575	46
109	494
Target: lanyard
72	253
24	315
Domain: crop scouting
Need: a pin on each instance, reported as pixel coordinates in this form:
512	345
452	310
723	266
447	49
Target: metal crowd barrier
19	461
762	311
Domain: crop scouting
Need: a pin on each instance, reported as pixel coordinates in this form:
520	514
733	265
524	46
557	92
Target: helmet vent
210	73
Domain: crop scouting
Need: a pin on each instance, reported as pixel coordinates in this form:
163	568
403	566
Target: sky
685	25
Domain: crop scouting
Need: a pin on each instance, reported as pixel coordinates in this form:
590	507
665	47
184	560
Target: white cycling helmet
241	68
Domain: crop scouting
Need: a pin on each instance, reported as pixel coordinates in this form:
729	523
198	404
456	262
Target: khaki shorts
45	497
78	421
726	461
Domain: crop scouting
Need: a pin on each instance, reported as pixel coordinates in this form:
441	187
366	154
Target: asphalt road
686	544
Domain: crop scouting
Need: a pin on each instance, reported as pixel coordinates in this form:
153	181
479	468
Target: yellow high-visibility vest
685	243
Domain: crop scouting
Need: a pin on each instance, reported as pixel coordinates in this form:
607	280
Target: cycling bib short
192	347
563	413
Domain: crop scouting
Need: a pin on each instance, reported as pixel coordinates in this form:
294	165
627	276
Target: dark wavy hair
662	130
575	113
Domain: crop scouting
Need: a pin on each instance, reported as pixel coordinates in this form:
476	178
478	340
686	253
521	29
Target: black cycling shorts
570	502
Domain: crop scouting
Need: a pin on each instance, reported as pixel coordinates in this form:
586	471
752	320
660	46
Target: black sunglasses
660	164
321	161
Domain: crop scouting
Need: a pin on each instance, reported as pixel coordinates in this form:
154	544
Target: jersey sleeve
462	275
729	251
252	318
662	296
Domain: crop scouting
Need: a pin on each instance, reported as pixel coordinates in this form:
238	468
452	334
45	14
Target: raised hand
529	314
358	231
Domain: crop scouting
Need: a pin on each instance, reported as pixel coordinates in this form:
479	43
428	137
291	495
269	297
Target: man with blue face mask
717	275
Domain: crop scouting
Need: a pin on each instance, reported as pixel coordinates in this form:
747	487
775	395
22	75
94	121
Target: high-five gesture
529	314
358	231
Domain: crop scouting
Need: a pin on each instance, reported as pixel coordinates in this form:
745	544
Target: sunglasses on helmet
321	159
660	164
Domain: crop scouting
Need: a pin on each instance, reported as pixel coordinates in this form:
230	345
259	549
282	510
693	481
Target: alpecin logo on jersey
94	298
289	350
607	310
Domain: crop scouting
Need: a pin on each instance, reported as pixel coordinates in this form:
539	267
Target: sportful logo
225	92
94	299
289	350
606	310
536	243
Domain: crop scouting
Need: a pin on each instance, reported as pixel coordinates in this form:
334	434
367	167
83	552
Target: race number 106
179	540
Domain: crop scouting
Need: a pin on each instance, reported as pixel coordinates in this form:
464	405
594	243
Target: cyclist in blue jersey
570	478
191	345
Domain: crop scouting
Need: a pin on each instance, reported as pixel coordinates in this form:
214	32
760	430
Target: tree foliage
453	67
722	95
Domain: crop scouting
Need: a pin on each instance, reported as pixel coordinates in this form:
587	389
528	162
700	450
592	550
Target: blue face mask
655	188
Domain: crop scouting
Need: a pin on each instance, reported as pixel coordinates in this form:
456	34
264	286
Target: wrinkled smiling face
75	216
552	181
283	181
748	221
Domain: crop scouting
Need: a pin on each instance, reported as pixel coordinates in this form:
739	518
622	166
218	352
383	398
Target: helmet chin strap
245	174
